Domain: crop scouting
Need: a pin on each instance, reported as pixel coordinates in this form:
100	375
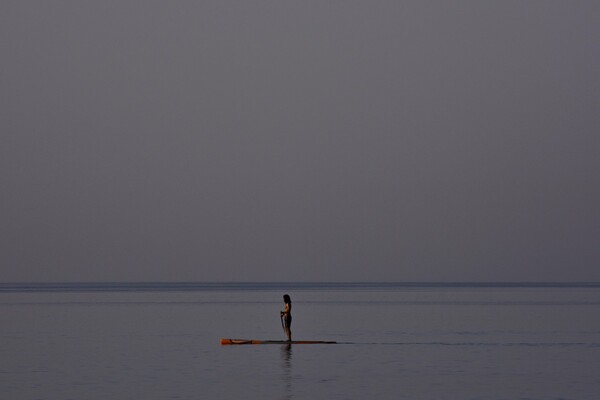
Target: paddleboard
253	341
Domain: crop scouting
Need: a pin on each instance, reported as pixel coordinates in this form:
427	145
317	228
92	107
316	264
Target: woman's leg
288	328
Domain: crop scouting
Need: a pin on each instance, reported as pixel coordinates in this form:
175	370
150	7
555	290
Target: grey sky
312	140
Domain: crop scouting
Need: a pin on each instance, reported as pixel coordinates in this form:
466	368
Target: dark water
399	341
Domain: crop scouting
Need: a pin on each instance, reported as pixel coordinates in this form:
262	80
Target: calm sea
397	341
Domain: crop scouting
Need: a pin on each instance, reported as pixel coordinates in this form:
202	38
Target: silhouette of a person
286	316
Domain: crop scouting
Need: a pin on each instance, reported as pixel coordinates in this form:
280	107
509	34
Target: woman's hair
286	298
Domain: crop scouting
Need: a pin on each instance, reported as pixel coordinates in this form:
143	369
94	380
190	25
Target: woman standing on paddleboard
286	316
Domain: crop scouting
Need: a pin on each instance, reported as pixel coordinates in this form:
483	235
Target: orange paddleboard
253	341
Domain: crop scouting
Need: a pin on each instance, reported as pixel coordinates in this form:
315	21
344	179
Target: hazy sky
299	141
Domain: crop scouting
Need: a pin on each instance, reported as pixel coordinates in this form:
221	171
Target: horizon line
299	281
173	286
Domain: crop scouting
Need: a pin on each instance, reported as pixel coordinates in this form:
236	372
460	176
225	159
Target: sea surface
396	341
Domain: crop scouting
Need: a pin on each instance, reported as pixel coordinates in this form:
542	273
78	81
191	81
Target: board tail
237	341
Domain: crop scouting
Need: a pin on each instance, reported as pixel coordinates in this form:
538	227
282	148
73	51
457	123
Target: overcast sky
299	141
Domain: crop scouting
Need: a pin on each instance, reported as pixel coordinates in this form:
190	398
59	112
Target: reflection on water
286	371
